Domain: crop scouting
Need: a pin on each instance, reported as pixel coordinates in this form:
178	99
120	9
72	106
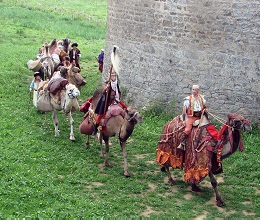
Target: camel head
75	77
239	122
234	125
71	95
133	115
72	91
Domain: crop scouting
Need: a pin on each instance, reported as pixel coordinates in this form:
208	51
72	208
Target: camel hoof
57	134
163	169
220	203
106	165
195	188
171	181
127	174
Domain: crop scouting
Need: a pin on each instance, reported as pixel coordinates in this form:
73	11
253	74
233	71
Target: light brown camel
117	125
47	65
66	101
64	46
205	148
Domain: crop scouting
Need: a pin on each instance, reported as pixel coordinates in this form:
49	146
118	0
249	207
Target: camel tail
115	59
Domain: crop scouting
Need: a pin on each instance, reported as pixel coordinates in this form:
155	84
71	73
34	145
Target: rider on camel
193	107
111	96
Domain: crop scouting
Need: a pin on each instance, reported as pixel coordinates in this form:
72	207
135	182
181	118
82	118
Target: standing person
193	106
34	87
75	55
101	60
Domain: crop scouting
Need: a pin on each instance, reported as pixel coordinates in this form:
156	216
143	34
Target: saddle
56	85
113	110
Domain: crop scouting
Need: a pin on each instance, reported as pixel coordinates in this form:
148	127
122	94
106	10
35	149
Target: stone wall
166	46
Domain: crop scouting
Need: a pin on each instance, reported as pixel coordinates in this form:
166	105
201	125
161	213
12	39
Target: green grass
47	177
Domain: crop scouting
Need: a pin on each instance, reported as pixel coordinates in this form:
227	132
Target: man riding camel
111	96
193	107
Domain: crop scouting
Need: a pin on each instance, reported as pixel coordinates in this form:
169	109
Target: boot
95	129
182	145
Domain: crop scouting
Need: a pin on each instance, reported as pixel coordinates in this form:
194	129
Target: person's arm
78	53
185	106
31	86
184	110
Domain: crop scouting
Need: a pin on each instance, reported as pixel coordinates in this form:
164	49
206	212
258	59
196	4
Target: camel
72	74
47	64
117	125
64	46
205	149
65	99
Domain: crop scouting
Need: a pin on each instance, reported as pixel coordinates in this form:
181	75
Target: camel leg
87	141
55	122
123	146
214	185
195	188
72	138
106	163
101	144
170	179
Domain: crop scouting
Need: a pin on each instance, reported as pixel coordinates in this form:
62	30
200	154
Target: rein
130	119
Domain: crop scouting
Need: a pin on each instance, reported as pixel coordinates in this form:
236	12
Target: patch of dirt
148	212
257	191
97	184
93	184
246	203
188	196
207	183
141	156
150	162
245	213
212	202
200	217
152	187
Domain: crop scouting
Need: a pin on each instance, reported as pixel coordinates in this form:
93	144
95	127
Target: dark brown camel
205	148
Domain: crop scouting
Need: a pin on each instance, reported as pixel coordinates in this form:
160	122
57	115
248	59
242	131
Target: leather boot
95	129
182	145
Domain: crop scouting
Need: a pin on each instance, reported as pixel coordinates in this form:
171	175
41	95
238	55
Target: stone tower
166	46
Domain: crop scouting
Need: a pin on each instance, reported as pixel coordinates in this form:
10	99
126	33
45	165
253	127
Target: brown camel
205	148
117	125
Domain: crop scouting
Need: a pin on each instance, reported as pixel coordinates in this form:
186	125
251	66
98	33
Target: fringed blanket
199	154
167	152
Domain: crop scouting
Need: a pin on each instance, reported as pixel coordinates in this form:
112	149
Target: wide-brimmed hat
34	65
36	74
74	44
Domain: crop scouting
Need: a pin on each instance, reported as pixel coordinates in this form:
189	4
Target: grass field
47	177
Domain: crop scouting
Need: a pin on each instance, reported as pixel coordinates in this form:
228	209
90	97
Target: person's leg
185	133
99	117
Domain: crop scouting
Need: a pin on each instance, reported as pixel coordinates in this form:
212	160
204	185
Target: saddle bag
86	127
56	85
44	102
